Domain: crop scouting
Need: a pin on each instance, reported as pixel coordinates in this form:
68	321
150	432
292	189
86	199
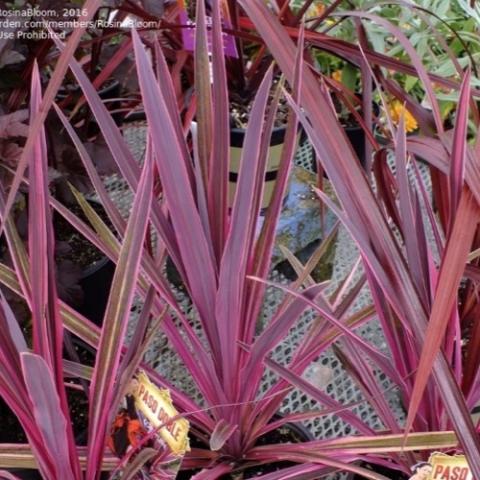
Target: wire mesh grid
326	372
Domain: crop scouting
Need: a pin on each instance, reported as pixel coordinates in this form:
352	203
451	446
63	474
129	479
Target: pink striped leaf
186	221
367	221
115	321
245	211
451	272
46	319
459	147
48	413
221	433
218	180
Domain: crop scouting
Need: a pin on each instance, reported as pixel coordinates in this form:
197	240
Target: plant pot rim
242	131
111	86
94	267
237	135
136	116
140	115
297	427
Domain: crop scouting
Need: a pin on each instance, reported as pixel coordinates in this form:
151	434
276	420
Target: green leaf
349	76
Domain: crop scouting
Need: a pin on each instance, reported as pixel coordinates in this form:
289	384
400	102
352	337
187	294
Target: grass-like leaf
48	413
115	322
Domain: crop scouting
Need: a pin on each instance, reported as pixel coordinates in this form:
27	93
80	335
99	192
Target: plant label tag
148	422
446	467
155	406
188	35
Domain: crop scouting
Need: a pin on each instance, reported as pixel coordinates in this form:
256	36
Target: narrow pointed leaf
48	412
245	213
417	264
451	272
46	318
218	180
40	238
203	92
457	166
186	221
115	321
222	432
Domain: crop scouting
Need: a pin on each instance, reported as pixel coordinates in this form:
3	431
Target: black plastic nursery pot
385	471
30	474
108	92
288	433
277	141
25	474
96	269
356	136
111	90
96	282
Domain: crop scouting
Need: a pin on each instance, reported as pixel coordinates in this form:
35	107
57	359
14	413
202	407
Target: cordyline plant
425	308
224	264
32	379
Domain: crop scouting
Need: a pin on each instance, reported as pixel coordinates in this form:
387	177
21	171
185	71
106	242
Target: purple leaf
245	211
198	262
218	181
12	325
47	411
459	148
221	433
115	321
8	476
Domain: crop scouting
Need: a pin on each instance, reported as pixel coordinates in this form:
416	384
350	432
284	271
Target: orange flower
396	111
440	88
315	10
337	75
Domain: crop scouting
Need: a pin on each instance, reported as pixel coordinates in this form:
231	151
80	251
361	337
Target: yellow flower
315	10
440	88
337	75
396	111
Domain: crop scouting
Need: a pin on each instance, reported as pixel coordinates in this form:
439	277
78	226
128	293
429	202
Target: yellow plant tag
446	467
155	405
